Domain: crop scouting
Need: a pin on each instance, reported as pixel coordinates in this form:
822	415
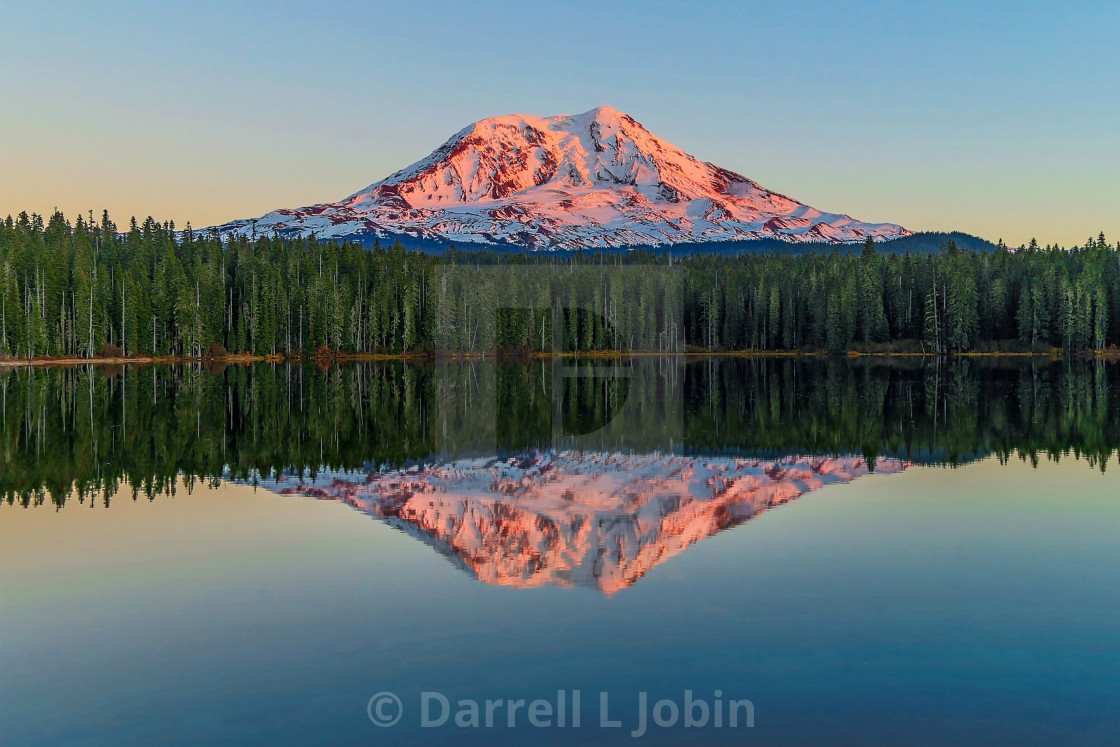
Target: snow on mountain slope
598	520
597	179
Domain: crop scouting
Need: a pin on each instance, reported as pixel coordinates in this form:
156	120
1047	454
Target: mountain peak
606	114
596	179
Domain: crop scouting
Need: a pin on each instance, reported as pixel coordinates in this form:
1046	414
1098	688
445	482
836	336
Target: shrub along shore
502	356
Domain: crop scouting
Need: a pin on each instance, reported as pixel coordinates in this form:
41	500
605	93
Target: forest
85	289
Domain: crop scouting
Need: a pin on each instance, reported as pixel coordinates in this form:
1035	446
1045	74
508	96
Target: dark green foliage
71	289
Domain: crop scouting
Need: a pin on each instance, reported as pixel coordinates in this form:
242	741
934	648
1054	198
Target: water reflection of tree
95	432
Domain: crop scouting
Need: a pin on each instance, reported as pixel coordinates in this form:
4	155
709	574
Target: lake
673	550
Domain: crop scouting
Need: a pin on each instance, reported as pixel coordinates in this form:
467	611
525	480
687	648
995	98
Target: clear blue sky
997	118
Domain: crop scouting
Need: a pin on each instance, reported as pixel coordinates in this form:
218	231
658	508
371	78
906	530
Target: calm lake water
835	551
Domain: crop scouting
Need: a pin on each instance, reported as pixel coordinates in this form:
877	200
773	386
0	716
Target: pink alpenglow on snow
597	179
597	520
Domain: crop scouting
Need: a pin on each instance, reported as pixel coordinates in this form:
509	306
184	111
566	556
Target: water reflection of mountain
598	520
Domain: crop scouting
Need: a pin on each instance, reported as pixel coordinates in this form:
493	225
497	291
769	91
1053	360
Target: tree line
79	289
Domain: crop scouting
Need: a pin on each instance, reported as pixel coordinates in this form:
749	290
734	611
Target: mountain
922	242
597	179
599	520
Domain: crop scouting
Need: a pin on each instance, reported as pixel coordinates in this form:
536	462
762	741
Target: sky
995	118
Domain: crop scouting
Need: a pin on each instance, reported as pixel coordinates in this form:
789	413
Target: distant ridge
917	243
592	180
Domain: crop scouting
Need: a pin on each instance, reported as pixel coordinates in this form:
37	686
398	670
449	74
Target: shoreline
492	357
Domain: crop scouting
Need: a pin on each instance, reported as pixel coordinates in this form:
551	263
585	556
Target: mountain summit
597	179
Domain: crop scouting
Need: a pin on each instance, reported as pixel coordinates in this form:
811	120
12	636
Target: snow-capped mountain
599	520
597	179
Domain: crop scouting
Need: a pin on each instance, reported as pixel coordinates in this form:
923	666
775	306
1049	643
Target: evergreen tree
69	289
